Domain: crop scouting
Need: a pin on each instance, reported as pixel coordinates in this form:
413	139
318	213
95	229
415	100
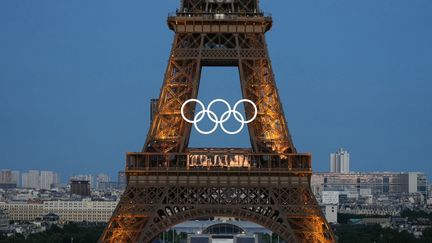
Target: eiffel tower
169	183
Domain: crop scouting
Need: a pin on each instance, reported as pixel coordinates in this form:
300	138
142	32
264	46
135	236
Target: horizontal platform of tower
221	23
202	160
220	6
229	16
213	23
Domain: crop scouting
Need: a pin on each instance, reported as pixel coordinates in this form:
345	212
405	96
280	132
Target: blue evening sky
76	78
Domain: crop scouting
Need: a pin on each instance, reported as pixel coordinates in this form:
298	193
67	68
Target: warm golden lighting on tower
169	183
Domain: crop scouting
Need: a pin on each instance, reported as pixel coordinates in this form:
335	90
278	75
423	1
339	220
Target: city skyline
44	179
95	178
74	100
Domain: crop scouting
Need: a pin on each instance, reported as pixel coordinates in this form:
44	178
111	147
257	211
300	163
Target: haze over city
76	79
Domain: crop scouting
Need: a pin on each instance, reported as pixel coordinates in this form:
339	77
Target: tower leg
269	132
168	131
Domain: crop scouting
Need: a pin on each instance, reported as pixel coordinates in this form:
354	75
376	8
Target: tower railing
218	161
196	13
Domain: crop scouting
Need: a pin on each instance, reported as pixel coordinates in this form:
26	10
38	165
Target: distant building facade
23	210
74	211
361	184
110	185
84	177
340	161
16	177
122	177
102	179
415	182
9	178
48	179
330	213
31	179
5	176
80	187
39	179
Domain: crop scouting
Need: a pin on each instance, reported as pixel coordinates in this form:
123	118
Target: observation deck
207	22
229	160
218	167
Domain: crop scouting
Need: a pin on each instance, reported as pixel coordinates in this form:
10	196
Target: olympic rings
224	117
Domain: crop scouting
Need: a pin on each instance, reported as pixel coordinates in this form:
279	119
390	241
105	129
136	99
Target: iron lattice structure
169	183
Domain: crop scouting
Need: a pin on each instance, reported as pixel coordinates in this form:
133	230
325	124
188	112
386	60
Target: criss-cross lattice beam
270	131
287	209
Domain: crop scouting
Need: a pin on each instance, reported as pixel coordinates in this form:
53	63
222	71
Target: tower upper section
241	7
213	16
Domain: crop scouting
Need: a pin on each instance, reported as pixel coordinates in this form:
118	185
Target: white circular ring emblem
219	121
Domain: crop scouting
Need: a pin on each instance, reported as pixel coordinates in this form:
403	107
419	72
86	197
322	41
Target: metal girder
288	210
